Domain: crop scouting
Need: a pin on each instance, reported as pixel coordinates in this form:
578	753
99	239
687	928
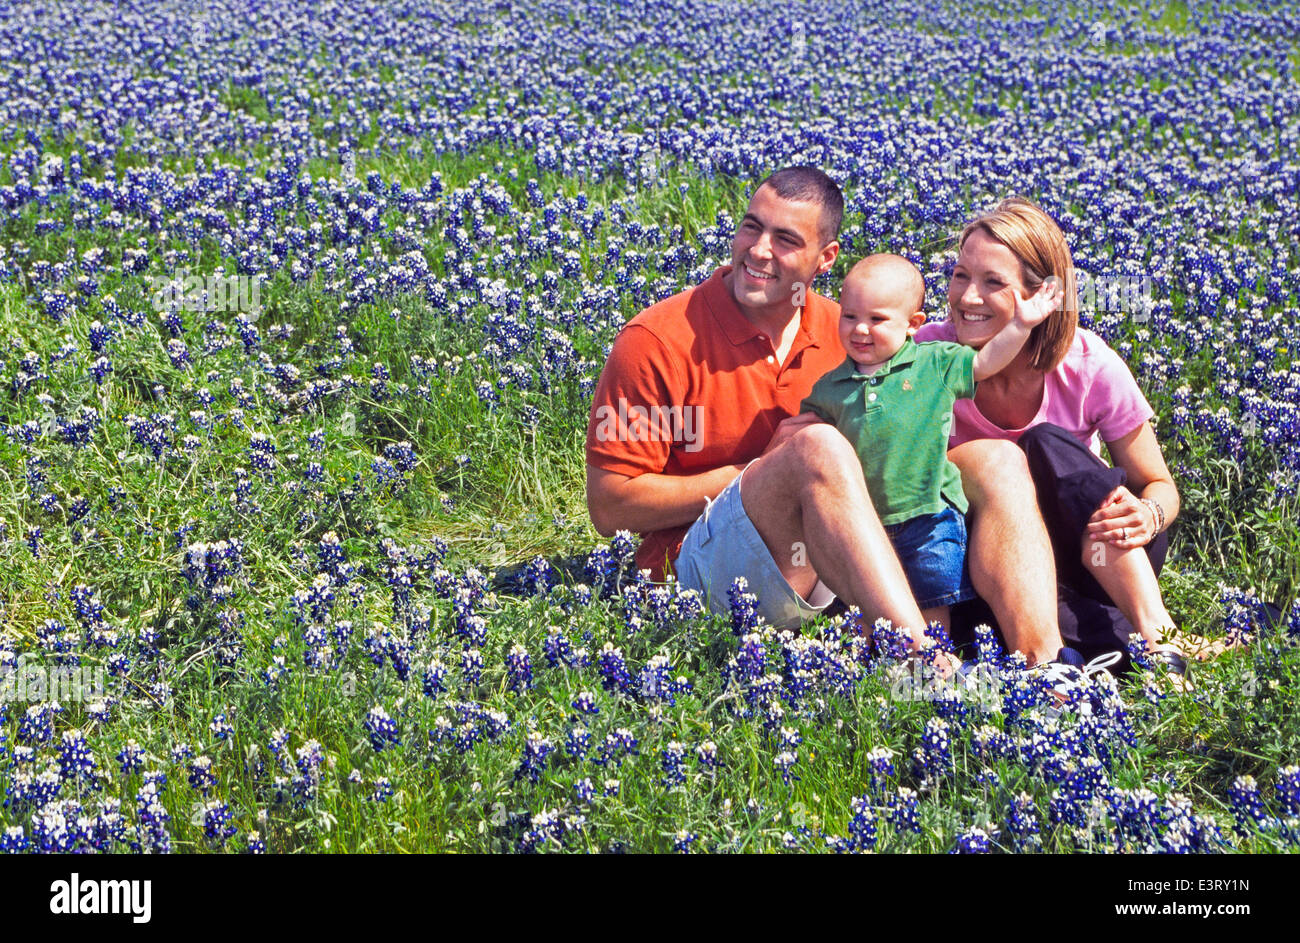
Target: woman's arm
1123	513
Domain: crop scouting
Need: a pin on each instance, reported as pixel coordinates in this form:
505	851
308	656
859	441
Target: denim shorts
932	549
721	545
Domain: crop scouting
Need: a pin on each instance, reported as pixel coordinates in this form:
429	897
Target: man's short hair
811	185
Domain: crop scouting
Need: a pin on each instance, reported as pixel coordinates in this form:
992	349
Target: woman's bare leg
1010	555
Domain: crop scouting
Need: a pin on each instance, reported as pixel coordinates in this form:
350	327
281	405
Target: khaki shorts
723	545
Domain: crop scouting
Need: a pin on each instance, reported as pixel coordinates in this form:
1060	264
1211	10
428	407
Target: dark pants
1071	482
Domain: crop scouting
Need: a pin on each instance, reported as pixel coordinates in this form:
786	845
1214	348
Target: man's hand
649	501
788	427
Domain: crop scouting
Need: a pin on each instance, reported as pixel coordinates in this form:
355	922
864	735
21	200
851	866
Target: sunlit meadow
301	308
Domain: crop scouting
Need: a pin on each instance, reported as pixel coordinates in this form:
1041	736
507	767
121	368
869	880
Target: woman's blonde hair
1037	241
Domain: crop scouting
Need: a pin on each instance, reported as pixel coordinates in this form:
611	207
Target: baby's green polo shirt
898	420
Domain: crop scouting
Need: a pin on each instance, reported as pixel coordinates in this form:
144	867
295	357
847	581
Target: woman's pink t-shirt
1091	394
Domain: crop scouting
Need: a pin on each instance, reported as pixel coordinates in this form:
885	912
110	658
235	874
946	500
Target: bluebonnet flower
614	675
37	724
381	728
744	607
707	754
989	646
655	681
892	642
881	763
862	826
683	841
52	635
539	576
577	741
536	751
936	745
671	759
76	761
784	763
519	668
1287	788
153	818
751	659
974	841
471	664
220	727
497	724
1247	804
617	744
201	778
601	568
1022	823
904	812
435	674
130	758
329	552
216	822
179	354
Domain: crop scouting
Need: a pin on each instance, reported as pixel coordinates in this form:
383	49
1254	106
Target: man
700	393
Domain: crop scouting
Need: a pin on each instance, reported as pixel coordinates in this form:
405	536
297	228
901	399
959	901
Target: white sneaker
1072	684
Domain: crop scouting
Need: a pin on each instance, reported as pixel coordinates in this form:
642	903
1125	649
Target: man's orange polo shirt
691	385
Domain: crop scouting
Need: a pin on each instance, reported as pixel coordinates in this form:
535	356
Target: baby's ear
914	322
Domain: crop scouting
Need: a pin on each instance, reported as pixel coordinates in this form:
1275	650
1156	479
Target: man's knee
778	484
820	450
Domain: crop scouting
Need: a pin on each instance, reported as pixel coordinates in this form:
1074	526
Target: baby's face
875	321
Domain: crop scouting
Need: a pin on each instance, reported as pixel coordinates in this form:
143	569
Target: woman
1066	392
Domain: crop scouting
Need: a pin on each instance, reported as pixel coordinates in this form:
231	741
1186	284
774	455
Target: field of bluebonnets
301	307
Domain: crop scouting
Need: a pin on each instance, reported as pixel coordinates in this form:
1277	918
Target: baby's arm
1002	348
819	405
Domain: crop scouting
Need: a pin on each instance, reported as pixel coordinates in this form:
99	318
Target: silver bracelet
1157	512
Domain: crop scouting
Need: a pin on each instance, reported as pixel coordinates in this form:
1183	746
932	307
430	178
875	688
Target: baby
892	399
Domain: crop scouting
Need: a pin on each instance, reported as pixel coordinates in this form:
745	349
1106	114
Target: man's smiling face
777	249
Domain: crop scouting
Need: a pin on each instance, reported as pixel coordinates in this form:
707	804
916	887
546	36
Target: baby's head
880	308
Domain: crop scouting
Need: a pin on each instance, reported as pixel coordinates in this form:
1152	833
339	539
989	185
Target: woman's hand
1122	520
1032	311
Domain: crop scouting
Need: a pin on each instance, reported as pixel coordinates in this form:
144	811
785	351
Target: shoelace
1101	663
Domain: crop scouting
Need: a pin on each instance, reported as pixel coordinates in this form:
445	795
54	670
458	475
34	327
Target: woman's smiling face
982	291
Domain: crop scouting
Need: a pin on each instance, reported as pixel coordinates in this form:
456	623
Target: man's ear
914	322
829	253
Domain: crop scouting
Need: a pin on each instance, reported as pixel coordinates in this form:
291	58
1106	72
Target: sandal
1176	667
1198	647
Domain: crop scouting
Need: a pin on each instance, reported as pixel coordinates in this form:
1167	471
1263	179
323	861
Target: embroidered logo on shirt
907	384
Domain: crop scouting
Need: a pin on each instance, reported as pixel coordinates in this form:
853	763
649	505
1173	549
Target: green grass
519	496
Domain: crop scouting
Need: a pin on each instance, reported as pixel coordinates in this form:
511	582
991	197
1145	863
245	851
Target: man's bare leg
940	614
1010	555
808	501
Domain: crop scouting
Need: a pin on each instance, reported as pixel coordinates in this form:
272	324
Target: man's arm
649	502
